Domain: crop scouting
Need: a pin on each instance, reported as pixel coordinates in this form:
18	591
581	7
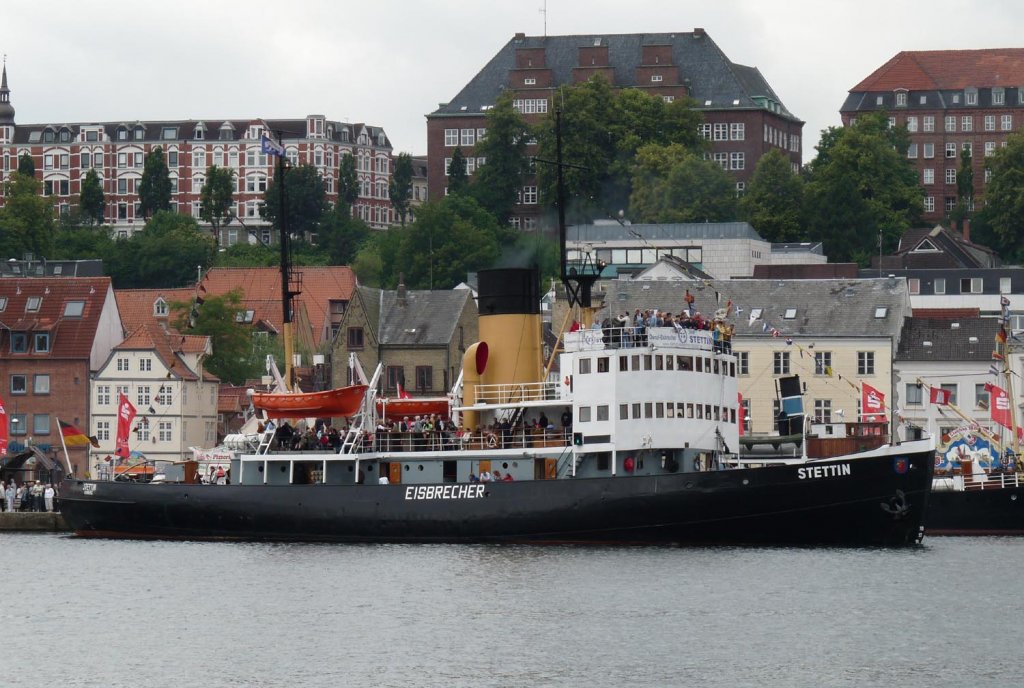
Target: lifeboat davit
343	401
397	409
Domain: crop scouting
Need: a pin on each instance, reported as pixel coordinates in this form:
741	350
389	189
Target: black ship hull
863	501
998	511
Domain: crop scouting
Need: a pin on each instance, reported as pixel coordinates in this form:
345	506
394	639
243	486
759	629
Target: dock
32	521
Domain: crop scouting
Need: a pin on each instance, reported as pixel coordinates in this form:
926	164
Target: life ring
566	381
492	441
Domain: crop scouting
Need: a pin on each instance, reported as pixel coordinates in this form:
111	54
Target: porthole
406	466
350	469
420	467
515	464
504	465
260	468
369	468
284	469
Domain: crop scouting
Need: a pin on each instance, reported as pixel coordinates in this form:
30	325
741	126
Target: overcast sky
390	62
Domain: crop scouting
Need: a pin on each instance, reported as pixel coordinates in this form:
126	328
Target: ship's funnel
509	306
474	363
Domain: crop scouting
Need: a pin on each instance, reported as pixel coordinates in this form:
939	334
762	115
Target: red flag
939	396
999	405
402	394
3	429
73	437
872	404
125	416
741	415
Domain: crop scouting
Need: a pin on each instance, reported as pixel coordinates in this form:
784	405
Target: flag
3	429
269	146
125	416
999	404
872	404
1001	335
828	371
73	437
997	356
1003	301
939	396
764	327
993	369
402	394
789	341
741	414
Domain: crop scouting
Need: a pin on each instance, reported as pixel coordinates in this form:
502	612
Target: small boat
343	401
397	409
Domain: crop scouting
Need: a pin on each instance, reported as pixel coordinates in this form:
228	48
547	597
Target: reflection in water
90	612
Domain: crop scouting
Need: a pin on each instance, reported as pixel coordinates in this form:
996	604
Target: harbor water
137	614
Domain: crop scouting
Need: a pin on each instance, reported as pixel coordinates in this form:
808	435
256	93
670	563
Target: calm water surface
110	613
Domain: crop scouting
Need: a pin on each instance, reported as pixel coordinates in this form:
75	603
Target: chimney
966	226
401	290
698	33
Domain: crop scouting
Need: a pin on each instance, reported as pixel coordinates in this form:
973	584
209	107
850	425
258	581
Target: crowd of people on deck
426	433
28	496
628	330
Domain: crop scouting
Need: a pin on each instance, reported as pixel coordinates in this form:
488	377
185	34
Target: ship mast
287	293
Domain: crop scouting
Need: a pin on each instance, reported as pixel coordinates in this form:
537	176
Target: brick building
55	332
744	118
948	100
419	336
64	153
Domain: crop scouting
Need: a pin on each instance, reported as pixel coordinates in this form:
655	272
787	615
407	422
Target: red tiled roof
70	337
927	70
136	305
166	345
261	292
231	399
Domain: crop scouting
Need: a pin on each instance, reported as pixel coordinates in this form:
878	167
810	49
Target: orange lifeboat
343	401
396	409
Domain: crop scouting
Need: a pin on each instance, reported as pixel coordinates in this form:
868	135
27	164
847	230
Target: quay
33	521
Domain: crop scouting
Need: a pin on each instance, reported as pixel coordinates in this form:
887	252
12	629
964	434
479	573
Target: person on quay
48	494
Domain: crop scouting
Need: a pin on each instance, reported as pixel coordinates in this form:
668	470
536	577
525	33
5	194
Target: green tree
964	190
861	186
82	243
91	200
237	355
26	219
305	200
216	199
1001	222
602	131
773	202
165	253
458	180
498	181
672	184
348	180
448	238
26	165
155	186
341	235
400	188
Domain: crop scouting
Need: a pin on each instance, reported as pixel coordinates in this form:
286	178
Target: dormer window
901	99
160	308
169	133
971	96
529	81
200	132
122	133
244	316
65	135
41	342
140	133
33	304
956	98
655	78
48	136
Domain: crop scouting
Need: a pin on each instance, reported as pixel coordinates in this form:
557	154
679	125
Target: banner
872	404
741	414
125	416
73	437
999	404
4	437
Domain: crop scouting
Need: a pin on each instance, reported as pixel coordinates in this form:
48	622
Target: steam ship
646	458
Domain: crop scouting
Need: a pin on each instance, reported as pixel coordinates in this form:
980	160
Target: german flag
73	437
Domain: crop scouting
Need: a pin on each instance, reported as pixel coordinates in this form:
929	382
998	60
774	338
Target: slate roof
428	318
167	346
70	337
946	341
613	231
703	68
831	307
234	131
951	251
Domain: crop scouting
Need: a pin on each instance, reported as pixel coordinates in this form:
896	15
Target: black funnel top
505	291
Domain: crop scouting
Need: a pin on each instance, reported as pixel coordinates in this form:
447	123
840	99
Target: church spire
6	109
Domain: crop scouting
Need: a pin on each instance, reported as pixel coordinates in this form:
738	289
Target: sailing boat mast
287	294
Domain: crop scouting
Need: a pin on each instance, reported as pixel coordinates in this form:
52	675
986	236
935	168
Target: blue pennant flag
271	147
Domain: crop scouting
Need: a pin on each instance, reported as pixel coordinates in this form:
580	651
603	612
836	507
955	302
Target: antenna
543	10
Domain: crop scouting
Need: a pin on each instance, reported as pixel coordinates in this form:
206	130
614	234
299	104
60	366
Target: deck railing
518	392
991	481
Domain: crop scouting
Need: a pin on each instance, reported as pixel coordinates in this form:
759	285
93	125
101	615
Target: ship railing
433	441
639	338
517	392
991	481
